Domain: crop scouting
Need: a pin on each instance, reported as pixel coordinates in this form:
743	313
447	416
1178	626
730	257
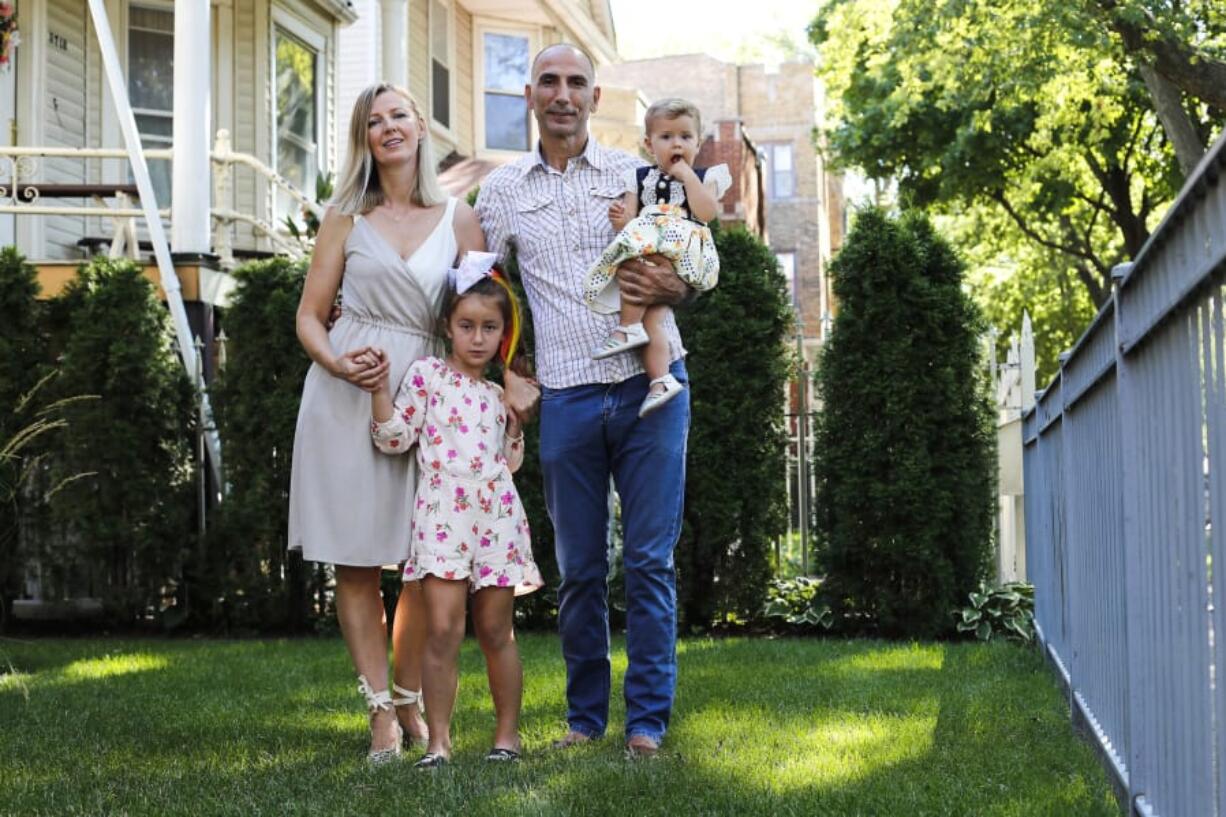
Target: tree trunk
1179	128
1193	72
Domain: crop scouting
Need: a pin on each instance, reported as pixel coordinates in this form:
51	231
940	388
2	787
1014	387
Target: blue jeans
587	434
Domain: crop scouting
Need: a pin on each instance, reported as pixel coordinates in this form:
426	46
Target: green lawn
770	727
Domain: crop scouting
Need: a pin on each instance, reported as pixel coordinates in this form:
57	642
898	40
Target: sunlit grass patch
762	727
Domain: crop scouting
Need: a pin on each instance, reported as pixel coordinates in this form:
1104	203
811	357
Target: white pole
394	24
157	235
189	223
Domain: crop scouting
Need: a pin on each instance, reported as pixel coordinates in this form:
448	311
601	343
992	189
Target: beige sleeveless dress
349	504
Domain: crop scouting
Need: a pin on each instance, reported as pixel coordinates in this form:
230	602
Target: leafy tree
1035	110
905	455
132	522
253	580
1008	276
735	501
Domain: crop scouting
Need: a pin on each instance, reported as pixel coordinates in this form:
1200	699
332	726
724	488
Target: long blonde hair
358	190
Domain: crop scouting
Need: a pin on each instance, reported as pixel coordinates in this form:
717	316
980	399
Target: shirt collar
592	154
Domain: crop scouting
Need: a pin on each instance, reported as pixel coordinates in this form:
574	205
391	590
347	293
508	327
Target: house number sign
58	41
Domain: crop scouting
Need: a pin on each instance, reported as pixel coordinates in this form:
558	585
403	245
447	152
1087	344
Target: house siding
64	117
465	101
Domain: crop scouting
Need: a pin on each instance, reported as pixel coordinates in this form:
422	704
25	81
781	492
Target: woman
386	242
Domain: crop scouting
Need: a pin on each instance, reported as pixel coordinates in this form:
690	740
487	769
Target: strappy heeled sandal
380	701
409	697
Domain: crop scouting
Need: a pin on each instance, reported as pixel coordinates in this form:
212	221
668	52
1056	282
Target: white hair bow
473	267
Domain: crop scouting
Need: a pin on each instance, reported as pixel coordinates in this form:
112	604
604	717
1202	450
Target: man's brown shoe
641	746
571	738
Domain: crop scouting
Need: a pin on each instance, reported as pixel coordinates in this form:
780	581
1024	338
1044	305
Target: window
787	264
505	70
779	170
151	51
440	63
297	118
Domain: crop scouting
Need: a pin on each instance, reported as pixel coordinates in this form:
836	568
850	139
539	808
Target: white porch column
192	90
395	27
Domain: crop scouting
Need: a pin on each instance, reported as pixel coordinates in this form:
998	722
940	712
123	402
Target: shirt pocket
540	224
599	230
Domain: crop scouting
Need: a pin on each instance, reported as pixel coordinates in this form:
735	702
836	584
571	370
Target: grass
762	727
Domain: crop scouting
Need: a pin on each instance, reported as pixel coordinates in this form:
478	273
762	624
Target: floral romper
468	521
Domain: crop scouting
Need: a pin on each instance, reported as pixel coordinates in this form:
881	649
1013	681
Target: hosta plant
1006	611
794	603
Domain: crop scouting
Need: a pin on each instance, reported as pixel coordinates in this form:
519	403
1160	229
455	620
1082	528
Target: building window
787	265
151	82
780	170
440	63
505	71
297	67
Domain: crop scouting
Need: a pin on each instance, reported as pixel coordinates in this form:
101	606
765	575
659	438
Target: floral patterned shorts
475	530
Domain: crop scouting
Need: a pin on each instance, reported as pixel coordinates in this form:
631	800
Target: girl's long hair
358	190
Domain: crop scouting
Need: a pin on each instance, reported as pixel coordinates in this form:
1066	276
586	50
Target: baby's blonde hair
672	108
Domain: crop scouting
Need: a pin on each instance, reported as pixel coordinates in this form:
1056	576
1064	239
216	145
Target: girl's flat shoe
431	760
633	336
500	755
655	399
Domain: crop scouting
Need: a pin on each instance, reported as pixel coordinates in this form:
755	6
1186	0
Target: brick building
776	111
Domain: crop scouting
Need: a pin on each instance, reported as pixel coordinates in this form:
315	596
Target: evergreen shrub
253	581
131	524
23	362
905	446
735	497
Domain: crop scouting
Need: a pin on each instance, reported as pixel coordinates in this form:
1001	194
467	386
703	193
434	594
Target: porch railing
25	191
1125	460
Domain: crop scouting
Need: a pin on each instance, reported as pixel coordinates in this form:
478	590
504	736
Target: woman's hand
365	367
521	394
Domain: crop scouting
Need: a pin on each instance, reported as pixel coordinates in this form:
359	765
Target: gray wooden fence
1125	455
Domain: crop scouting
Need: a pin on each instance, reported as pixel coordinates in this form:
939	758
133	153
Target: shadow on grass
762	727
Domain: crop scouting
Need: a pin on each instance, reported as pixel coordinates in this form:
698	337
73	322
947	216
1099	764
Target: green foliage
904	443
735	498
323	193
131	524
22	362
1008	277
252	580
1006	611
795	605
1028	115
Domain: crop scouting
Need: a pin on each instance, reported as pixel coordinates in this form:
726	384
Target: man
552	207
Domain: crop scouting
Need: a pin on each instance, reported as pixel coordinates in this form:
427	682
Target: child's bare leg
655	353
440	672
630	314
493	620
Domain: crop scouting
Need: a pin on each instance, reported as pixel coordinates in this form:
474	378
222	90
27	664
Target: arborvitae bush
905	449
735	497
130	523
254	581
23	362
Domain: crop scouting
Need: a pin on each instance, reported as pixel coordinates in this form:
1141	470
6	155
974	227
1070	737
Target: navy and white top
653	186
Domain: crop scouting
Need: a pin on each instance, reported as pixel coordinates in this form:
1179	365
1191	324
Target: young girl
677	200
469	532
